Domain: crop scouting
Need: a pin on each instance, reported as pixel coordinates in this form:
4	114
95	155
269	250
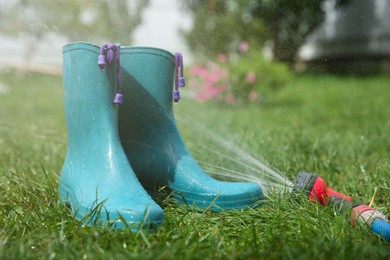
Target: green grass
336	127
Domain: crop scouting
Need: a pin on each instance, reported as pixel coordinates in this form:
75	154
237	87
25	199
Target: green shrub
240	77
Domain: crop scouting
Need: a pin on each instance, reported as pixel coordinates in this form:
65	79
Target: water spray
311	185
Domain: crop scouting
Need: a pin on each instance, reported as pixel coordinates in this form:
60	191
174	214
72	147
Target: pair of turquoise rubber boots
117	153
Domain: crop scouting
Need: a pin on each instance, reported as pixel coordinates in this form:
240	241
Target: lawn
335	126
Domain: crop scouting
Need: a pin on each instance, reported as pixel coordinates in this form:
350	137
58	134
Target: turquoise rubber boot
151	140
97	180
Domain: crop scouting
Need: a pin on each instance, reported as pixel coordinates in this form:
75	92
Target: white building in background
160	28
354	37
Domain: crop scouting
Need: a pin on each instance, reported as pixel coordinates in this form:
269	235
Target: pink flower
243	47
209	81
250	77
212	77
229	99
222	57
252	96
201	96
218	89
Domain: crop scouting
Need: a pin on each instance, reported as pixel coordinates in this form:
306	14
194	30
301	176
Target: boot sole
97	216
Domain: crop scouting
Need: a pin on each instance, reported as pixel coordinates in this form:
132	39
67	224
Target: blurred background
236	52
34	31
326	34
263	58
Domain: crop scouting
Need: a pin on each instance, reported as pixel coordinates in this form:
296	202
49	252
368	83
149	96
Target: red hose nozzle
316	189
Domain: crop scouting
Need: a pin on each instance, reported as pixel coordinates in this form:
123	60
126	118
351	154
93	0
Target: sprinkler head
318	191
304	183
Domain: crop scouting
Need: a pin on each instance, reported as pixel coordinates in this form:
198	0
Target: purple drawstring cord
179	76
111	50
182	81
115	49
118	95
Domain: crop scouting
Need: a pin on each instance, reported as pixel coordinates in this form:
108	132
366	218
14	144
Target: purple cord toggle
118	98
176	95
182	81
102	58
102	62
111	50
179	77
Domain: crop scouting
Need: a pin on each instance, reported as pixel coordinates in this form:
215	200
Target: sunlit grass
336	127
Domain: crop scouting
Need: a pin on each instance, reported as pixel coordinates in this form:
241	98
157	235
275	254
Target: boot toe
117	211
194	187
141	217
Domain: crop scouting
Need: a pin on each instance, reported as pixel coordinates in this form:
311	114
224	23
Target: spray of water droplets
232	162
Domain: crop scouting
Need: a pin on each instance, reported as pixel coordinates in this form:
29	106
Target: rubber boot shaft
152	142
97	179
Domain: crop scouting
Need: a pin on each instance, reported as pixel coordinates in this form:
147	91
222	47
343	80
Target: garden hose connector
366	215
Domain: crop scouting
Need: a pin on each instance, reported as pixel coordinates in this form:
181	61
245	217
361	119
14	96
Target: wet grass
336	127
